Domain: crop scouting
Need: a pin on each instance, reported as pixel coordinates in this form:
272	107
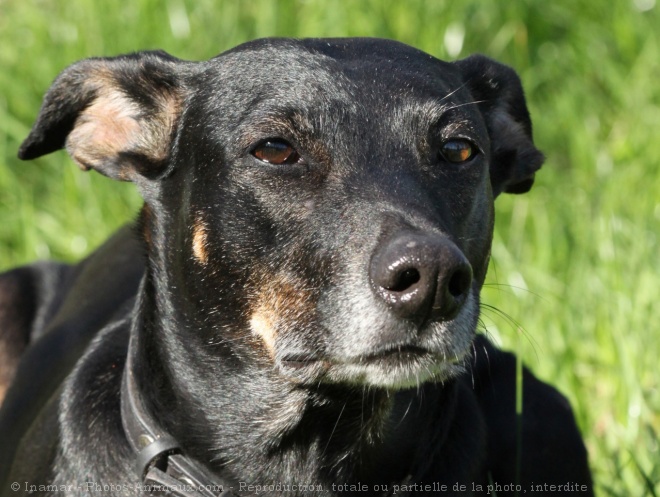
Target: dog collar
163	467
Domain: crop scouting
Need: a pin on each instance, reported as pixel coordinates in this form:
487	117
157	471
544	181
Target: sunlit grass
576	263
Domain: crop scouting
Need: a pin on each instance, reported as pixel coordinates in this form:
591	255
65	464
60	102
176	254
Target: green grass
576	263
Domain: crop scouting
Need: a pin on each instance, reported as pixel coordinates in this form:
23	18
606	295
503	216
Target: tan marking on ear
115	123
104	129
199	241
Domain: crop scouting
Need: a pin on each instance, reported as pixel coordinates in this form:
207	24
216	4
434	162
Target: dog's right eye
276	152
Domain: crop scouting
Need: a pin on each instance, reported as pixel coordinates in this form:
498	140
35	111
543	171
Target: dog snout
421	277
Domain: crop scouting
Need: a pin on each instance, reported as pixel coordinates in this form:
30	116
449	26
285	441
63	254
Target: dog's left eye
276	152
458	151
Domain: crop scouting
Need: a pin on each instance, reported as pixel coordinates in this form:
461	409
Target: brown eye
457	151
276	152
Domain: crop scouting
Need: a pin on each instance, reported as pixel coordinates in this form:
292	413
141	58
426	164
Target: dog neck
247	423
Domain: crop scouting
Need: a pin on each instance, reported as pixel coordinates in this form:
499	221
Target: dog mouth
298	361
394	366
398	352
391	353
388	356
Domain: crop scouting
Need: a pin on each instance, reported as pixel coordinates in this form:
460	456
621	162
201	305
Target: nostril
420	276
459	282
405	280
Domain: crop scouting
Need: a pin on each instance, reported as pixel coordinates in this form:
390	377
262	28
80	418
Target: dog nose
421	276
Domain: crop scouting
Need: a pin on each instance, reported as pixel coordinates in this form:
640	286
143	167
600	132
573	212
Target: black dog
317	226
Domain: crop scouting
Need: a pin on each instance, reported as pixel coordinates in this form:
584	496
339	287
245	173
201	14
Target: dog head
321	206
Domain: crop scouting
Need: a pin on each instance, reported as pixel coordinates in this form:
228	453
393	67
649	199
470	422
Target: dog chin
397	370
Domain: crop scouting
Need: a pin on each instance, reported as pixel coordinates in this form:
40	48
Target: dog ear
500	97
115	115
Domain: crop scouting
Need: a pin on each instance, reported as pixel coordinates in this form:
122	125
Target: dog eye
457	151
276	152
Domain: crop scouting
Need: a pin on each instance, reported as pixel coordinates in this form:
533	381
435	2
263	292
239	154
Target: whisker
459	88
513	287
464	104
333	429
514	324
405	413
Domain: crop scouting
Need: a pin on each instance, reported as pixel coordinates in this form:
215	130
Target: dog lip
406	350
298	361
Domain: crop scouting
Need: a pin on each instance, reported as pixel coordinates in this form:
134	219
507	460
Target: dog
294	312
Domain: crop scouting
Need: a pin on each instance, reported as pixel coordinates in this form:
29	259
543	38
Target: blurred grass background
576	263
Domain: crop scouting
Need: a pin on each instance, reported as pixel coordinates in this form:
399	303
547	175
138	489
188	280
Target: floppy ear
115	115
500	98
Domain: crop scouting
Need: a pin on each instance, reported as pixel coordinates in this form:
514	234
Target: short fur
268	348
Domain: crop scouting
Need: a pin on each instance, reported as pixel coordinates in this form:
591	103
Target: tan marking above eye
199	241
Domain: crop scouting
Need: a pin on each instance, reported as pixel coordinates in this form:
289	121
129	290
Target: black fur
269	349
